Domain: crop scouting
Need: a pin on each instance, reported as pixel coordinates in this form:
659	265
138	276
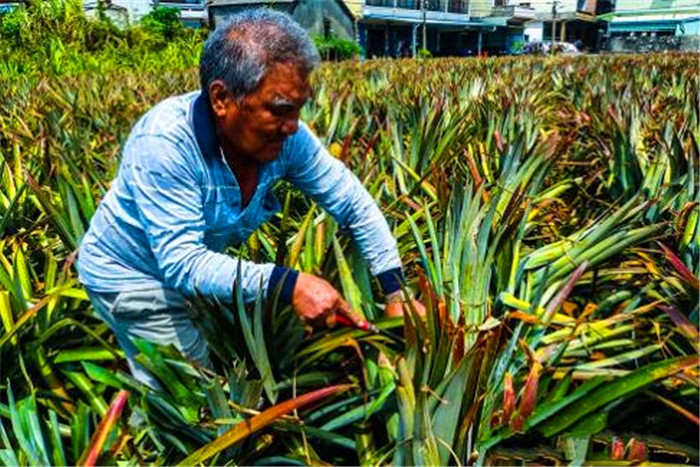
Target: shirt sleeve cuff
285	279
391	280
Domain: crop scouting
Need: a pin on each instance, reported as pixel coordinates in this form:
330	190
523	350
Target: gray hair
240	51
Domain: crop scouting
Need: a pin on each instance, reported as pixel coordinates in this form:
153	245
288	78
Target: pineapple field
546	210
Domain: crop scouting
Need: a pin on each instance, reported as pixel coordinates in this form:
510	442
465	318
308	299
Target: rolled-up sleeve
314	171
167	192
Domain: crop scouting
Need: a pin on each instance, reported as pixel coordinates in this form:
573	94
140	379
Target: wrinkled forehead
285	83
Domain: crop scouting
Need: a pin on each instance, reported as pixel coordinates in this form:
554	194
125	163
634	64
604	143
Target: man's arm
168	197
313	170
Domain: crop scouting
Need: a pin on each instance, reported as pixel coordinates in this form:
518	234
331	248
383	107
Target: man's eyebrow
281	101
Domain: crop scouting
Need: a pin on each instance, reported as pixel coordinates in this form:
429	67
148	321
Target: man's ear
218	97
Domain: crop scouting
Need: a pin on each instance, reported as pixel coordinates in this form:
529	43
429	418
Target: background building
121	10
443	27
400	28
573	21
319	17
653	25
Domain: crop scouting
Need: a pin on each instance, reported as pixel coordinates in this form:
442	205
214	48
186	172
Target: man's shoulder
169	119
164	137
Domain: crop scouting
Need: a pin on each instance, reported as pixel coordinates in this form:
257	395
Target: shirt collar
204	127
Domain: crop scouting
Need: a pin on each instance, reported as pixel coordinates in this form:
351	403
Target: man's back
113	254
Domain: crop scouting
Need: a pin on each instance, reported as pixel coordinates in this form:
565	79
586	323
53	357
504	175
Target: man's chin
270	153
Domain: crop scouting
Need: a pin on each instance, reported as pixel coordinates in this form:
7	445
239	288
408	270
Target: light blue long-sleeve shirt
175	206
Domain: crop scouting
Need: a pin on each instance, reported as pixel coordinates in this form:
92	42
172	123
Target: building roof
651	14
8	5
652	22
676	17
371	13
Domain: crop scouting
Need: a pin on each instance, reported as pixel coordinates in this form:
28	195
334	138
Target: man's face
256	126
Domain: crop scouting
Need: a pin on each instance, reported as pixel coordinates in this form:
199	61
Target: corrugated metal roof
651	23
674	17
643	27
641	12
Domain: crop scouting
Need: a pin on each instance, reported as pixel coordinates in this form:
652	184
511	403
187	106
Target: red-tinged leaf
94	449
473	170
496	419
508	399
369	146
499	140
459	350
563	294
682	269
522	316
346	147
410	203
516	424
636	450
527	402
442	314
617	449
253	424
430	299
685	327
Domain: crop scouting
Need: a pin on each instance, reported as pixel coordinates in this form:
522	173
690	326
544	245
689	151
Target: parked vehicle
544	47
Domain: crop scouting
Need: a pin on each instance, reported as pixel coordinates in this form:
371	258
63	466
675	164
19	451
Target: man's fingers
330	319
394	310
346	310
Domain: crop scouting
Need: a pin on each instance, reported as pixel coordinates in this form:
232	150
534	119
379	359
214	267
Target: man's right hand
317	301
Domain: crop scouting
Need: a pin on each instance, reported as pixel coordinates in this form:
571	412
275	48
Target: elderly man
196	176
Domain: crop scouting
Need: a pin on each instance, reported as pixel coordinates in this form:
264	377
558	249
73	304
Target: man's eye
283	110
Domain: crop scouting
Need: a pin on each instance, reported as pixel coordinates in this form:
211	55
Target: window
326	28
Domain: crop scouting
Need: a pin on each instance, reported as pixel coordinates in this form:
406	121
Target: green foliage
336	48
164	21
517	47
424	53
56	37
12	24
29	26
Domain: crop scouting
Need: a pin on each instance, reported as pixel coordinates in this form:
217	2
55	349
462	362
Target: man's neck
235	160
245	171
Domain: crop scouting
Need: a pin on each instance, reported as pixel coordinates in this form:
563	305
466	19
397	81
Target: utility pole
424	7
554	23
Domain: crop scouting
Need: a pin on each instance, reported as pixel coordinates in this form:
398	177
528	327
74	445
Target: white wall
533	31
137	8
